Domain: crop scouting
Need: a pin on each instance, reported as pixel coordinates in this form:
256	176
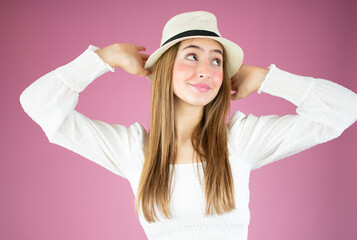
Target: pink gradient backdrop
48	192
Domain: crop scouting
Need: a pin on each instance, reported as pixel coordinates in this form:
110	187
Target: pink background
48	192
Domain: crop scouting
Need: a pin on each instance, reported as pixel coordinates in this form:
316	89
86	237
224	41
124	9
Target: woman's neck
187	117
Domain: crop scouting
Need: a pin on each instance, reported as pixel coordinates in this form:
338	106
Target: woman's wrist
107	55
261	75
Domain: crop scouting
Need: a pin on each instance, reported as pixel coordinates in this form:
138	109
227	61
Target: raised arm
51	99
324	110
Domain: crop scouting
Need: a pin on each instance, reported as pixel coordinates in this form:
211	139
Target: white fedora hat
198	24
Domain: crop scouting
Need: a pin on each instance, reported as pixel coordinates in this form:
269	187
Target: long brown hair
209	140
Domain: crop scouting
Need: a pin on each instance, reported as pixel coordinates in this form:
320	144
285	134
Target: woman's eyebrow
199	48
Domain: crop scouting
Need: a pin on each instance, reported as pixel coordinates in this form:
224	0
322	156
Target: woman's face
198	71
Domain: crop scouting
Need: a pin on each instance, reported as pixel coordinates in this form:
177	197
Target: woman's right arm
51	99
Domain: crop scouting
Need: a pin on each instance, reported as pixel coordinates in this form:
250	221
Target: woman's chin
197	101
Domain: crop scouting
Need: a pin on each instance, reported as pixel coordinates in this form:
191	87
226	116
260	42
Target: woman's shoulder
137	131
236	118
241	124
137	139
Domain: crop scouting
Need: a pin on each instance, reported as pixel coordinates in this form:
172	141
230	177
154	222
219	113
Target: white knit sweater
324	110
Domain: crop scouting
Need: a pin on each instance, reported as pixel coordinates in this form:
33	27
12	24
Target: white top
324	110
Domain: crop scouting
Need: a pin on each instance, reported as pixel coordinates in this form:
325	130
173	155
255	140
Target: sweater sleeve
324	110
50	102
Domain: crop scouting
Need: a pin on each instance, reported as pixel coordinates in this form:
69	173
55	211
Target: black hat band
192	33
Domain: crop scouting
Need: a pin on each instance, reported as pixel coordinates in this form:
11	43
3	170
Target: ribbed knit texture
324	110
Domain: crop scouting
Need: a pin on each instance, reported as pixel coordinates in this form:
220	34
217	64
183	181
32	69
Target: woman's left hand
247	80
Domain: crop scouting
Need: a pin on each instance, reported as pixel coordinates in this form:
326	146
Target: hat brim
234	54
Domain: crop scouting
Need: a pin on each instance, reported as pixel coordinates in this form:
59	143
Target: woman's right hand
125	56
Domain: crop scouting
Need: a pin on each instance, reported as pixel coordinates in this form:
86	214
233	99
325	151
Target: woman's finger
143	72
234	96
144	56
140	48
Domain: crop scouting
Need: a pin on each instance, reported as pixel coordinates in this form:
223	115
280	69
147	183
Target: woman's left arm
324	110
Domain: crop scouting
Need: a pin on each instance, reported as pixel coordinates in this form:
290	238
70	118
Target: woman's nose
203	70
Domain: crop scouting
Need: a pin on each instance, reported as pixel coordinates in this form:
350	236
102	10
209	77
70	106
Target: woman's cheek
178	70
218	79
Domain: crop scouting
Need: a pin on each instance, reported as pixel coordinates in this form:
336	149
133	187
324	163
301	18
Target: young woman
190	172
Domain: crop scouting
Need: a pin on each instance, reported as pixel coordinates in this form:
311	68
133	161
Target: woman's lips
201	87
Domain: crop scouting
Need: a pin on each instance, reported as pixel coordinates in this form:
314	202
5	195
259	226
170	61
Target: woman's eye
191	57
217	62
